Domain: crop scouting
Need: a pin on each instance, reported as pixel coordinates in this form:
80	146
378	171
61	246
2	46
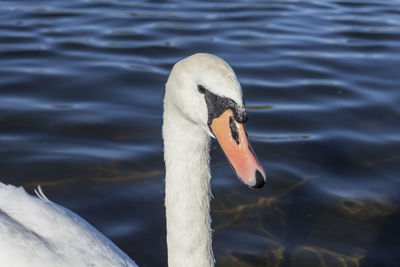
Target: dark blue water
81	87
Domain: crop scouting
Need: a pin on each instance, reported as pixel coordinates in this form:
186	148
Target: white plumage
37	232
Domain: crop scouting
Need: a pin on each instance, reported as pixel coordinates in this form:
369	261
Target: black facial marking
234	130
217	105
241	116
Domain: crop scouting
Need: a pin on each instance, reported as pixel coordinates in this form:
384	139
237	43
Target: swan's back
37	232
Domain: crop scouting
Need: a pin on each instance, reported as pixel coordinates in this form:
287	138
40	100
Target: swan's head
204	88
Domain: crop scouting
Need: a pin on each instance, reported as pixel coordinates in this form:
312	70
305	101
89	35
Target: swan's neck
187	190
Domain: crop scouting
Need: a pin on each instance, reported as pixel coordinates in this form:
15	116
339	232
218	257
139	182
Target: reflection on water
81	94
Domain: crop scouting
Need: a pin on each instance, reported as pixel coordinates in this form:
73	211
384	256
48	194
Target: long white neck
187	190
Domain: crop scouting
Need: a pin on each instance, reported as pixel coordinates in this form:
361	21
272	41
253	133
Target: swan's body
36	232
203	99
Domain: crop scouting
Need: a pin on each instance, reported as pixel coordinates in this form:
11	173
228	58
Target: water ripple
81	94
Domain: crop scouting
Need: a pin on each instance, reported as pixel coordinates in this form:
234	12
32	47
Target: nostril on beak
260	181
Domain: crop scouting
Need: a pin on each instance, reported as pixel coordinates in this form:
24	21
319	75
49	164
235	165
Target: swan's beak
232	137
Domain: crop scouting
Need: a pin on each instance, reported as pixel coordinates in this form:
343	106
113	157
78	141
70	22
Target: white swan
203	99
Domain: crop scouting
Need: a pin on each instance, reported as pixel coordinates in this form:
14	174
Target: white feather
37	232
40	193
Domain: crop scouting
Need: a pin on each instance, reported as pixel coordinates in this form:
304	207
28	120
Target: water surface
81	88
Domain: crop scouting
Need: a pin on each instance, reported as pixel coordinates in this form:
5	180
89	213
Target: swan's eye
201	89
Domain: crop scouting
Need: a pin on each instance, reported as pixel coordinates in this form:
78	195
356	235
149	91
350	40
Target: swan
203	100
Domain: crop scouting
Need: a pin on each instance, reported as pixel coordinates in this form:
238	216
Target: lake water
81	88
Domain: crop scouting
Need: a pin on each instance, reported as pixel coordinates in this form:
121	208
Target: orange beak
232	137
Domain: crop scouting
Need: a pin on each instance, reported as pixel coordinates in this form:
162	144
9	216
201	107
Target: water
80	114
